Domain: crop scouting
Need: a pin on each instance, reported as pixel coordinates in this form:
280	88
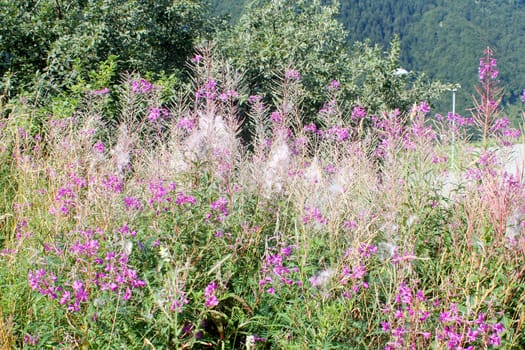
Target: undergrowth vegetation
162	228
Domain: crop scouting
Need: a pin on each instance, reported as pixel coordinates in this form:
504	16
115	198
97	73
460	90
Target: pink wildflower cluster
211	91
210	295
99	147
97	270
354	269
408	319
141	86
292	74
411	324
488	66
186	124
178	302
457	332
66	197
156	114
329	108
256	104
219	209
313	214
113	183
358	113
334	85
337	133
276	272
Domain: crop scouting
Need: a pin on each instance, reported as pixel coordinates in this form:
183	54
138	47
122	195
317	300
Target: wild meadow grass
163	228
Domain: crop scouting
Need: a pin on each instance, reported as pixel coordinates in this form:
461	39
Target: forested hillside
442	38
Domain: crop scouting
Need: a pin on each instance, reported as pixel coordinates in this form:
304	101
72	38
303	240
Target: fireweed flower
334	85
141	86
328	107
292	74
365	250
113	183
31	339
488	66
358	113
186	124
98	147
310	128
210	295
313	215
423	107
101	92
208	91
197	58
156	114
227	95
185	199
220	208
275	271
132	203
276	117
254	99
178	302
349	225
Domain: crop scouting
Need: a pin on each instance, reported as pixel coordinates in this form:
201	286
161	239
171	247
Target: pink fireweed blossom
276	117
98	147
183	198
156	114
197	58
334	85
209	295
208	91
358	113
229	94
220	206
423	107
132	203
292	74
141	86
310	128
186	124
31	339
101	92
113	183
488	66
313	214
276	272
254	99
329	107
178	302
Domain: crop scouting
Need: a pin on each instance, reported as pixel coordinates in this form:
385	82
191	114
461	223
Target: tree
274	35
64	39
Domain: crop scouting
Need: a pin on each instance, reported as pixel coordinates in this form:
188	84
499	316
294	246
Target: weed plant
164	230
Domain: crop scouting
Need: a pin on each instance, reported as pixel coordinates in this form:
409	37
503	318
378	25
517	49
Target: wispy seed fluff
121	152
212	137
275	172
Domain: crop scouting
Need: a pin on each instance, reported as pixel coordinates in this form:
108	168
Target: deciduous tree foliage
62	39
274	35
